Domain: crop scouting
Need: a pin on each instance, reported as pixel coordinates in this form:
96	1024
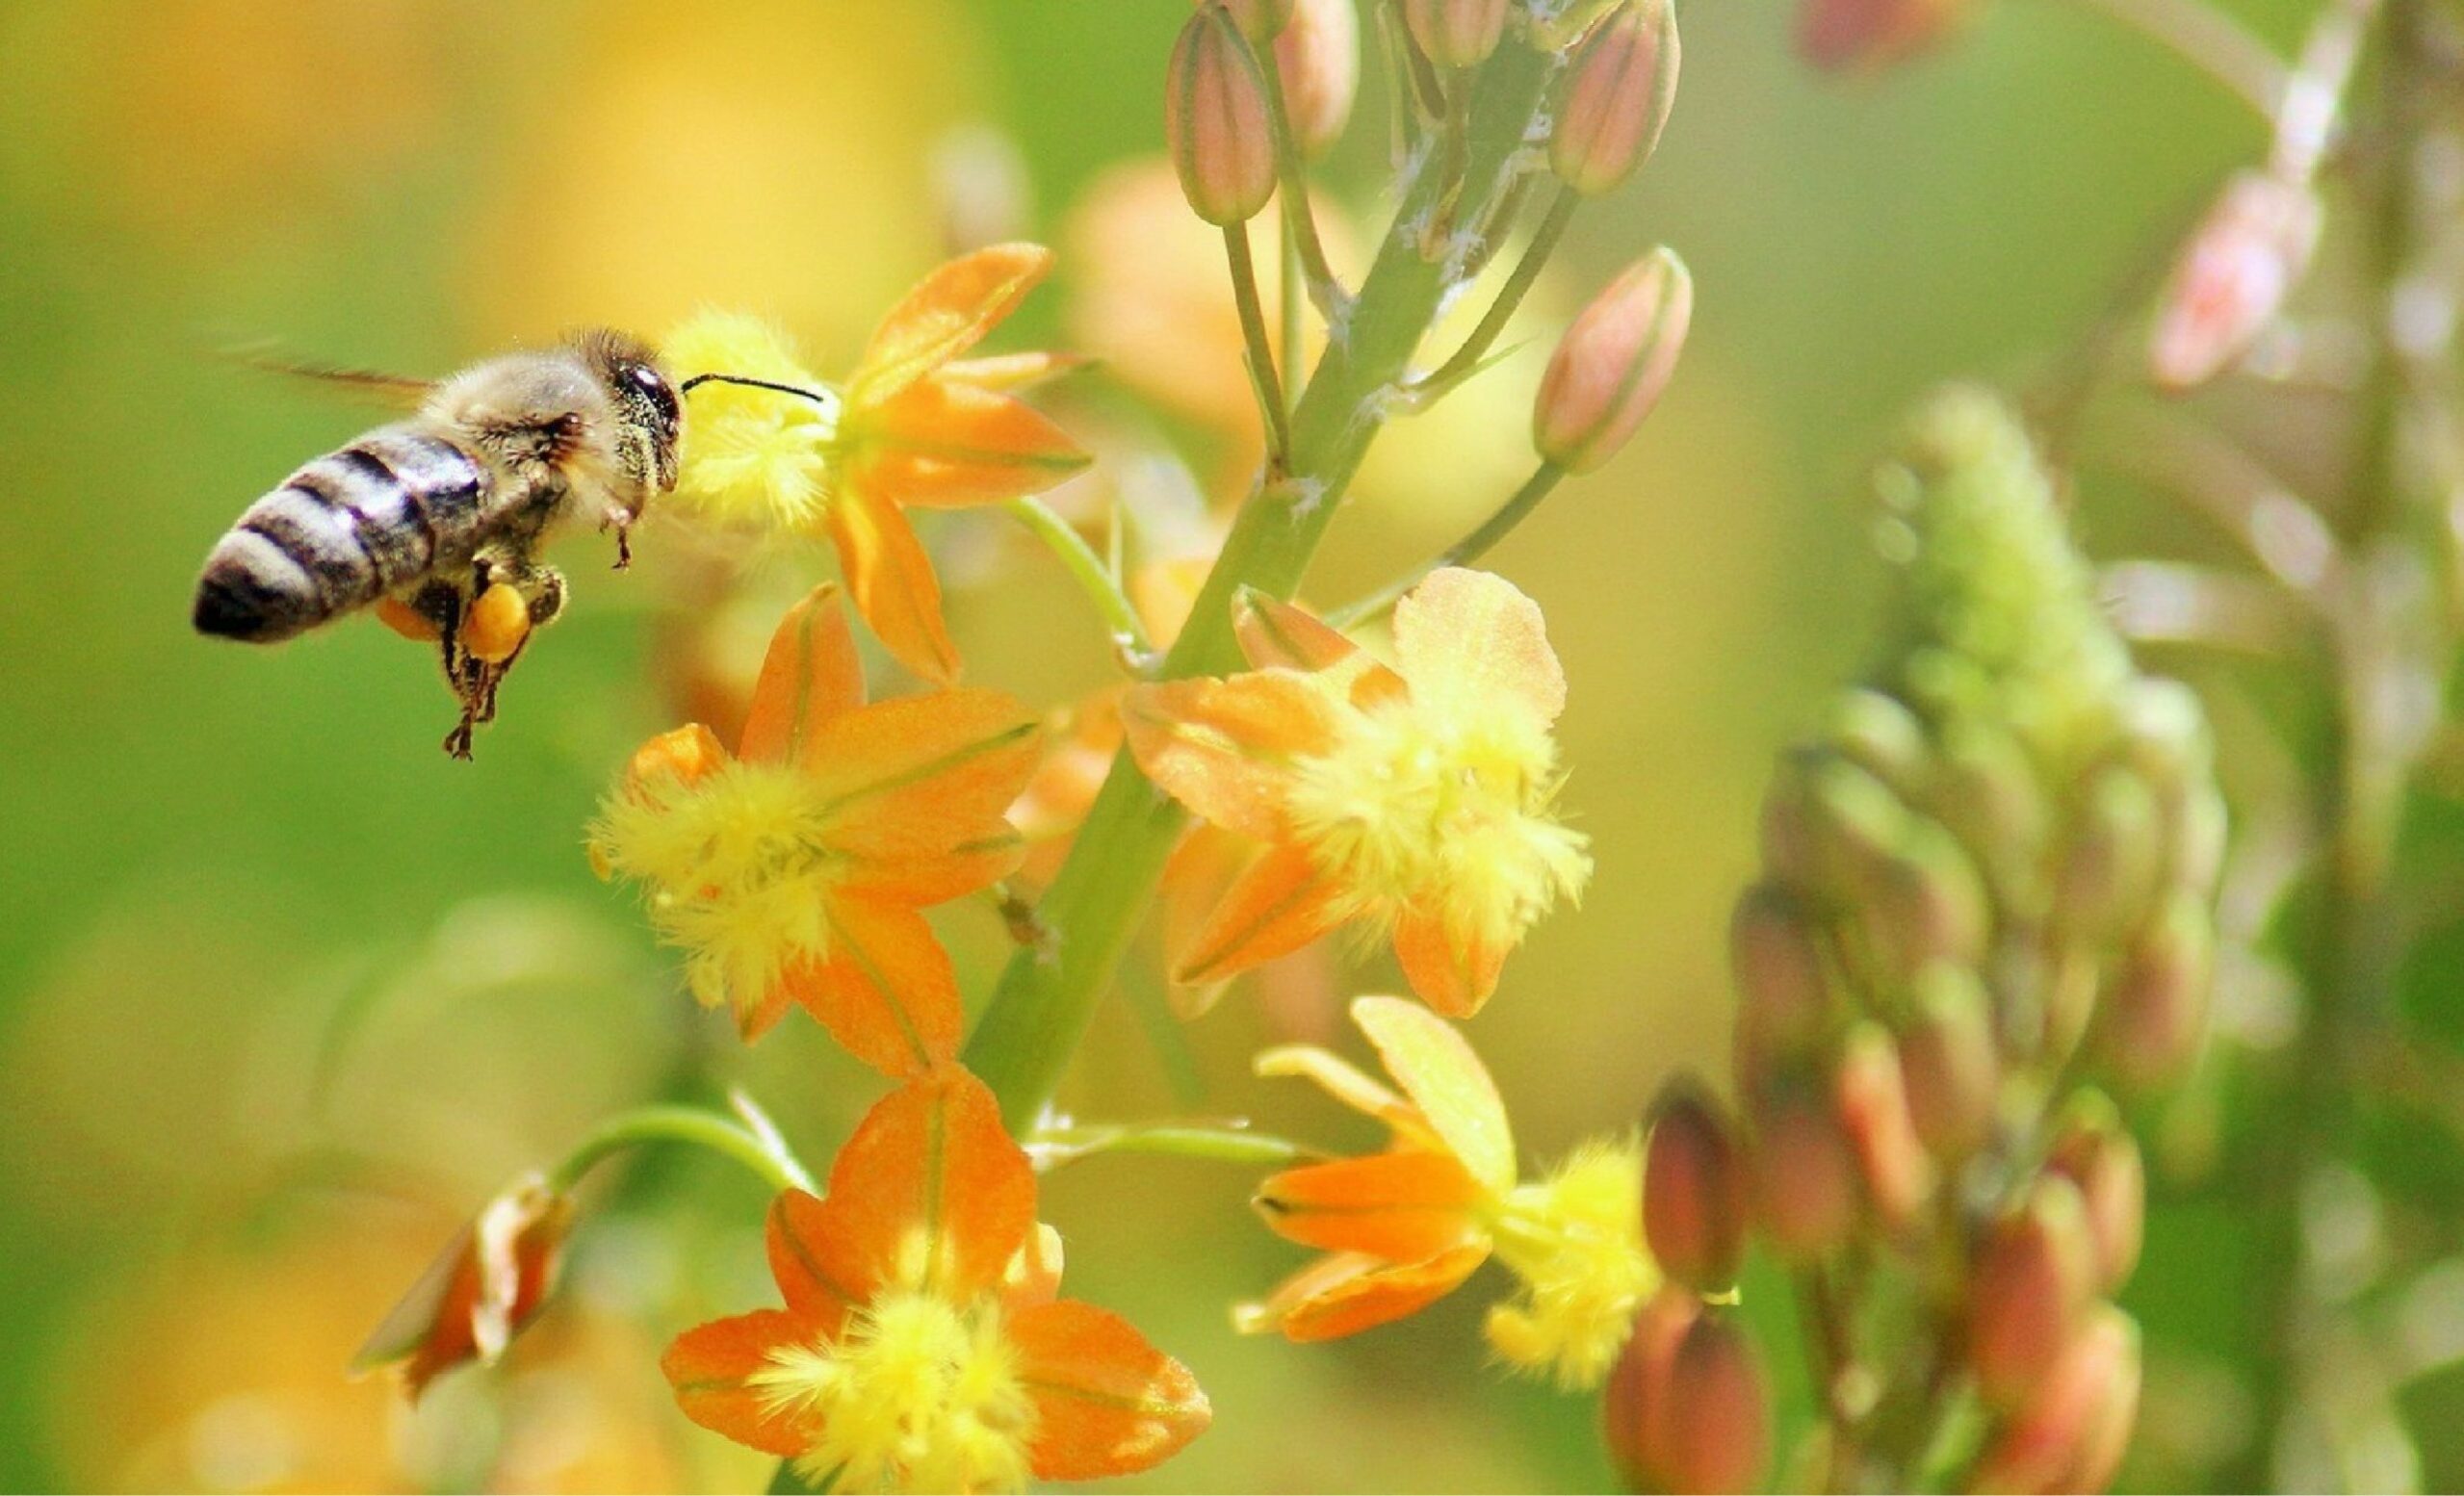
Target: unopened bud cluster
1989	878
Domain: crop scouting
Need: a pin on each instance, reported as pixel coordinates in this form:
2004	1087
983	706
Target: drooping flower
480	1291
1405	1228
915	425
792	870
1417	800
922	1347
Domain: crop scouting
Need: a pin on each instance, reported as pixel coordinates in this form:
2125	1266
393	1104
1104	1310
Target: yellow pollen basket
1449	809
916	1395
735	867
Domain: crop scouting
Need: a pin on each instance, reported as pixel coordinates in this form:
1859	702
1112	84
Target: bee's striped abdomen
341	533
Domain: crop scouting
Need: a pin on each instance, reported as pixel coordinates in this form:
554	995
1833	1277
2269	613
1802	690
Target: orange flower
1405	1228
915	425
922	1347
792	870
1418	800
487	1285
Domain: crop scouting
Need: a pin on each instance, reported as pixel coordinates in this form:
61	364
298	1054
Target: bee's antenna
821	397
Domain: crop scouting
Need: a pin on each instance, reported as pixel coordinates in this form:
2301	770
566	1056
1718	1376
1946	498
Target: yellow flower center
1575	1239
1444	811
750	459
916	1395
736	866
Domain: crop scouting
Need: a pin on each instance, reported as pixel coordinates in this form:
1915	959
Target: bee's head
646	406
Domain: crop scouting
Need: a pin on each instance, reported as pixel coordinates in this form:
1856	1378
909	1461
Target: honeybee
436	521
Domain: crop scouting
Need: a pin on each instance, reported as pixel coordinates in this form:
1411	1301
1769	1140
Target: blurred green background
284	994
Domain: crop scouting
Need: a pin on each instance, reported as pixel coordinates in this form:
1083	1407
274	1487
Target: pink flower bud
2071	1433
2155	1015
1923	903
2033	1279
1455	32
1694	1188
1713	1427
2093	1151
1260	21
1783	996
1638	1386
1872	1097
1318	56
1844	35
1612	364
1953	1069
2242	260
1619	89
1805	1178
1216	120
490	1282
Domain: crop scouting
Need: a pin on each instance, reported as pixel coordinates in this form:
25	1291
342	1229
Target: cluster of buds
1989	881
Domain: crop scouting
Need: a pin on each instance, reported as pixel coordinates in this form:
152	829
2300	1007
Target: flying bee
436	522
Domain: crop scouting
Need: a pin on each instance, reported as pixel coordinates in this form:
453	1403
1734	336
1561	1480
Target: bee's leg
620	519
542	590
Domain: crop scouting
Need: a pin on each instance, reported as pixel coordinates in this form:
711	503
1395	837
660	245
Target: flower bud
1694	1188
489	1282
1840	36
1988	795
1618	89
1319	58
2070	1434
1216	119
1784	1001
1614	363
1712	1427
1855	825
1639	1387
1872	1097
1805	1178
2155	1015
1455	32
2033	1280
2110	869
2240	263
2094	1152
1260	21
1790	848
1953	1071
1878	734
1926	904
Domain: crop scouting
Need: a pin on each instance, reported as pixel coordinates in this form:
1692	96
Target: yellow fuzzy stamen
750	459
1436	807
735	867
1575	1239
917	1394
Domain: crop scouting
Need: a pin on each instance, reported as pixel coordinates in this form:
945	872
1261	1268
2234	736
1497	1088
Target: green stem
1462	552
2210	40
1046	999
1294	296
1088	570
1291	179
1253	333
1225	1143
689	1124
1466	359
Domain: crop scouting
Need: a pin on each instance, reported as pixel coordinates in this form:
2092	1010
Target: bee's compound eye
651	382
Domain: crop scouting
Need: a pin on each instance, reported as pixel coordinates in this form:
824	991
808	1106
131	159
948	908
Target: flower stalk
772	1164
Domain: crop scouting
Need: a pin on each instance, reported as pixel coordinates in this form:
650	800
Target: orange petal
1401	1206
930	1193
797	1224
708	1367
1473	640
1222	748
1345	1293
1275	632
1455	980
1107	1403
1448	1086
884	991
1278	904
1012	373
920	791
1034	1276
893	582
948	312
944	445
810	676
685	755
